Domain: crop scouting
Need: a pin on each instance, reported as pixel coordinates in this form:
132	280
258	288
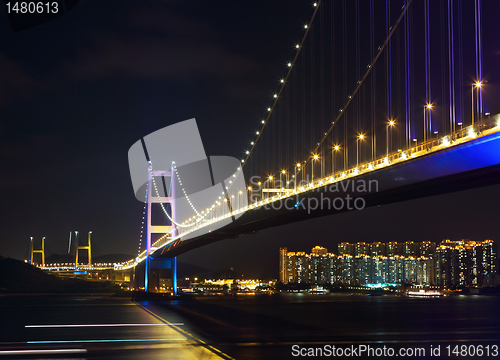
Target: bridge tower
160	229
85	247
39	251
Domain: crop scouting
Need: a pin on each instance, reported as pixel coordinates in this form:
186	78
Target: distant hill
189	270
19	277
70	258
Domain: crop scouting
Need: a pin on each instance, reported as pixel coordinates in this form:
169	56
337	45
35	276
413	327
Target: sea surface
282	326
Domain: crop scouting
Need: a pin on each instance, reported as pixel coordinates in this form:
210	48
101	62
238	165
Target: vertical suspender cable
372	75
451	68
428	118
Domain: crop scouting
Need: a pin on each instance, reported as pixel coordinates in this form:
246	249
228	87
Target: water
248	327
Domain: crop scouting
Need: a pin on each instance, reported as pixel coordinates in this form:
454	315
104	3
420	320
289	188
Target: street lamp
360	137
416	144
477	84
283	172
31	244
315	157
269	186
335	148
90	258
297	166
429	107
76	247
390	124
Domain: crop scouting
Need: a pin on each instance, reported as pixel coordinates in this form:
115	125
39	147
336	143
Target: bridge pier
155	268
162	276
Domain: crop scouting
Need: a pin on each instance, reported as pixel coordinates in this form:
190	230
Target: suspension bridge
392	106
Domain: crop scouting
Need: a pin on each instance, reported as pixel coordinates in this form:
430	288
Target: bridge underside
471	165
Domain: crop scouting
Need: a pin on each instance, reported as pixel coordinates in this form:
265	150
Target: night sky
77	92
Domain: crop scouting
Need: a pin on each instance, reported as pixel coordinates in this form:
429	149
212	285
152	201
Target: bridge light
275	96
336	148
283	171
289	64
315	157
361	136
391	123
429	106
305	26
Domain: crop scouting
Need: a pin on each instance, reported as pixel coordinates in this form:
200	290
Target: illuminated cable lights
283	80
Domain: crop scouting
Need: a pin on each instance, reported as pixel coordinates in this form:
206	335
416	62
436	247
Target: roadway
468	165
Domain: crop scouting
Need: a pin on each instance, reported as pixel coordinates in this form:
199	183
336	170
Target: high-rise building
361	248
332	269
302	267
451	264
394	248
363	269
347	270
380	270
465	262
395	269
489	266
290	268
319	250
283	262
410	249
377	249
346	248
427	248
